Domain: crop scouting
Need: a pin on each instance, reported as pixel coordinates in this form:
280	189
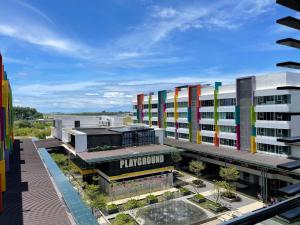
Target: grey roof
48	143
124	153
96	131
259	159
30	198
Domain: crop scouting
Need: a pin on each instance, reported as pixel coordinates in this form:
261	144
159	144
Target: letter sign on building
141	161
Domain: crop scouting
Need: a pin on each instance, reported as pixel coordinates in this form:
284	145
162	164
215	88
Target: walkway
31	198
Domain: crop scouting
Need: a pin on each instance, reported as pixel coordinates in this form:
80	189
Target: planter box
199	200
215	209
185	193
152	201
235	199
112	211
199	185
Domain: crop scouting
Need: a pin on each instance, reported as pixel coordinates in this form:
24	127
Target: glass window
170	114
207	115
273	116
182	104
227	102
228	142
170	105
207	103
154	114
146	106
228	129
182	114
184	136
273	99
276	149
209	127
154	123
182	125
170	134
170	124
227	115
208	139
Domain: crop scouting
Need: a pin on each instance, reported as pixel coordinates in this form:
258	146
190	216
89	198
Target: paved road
30	198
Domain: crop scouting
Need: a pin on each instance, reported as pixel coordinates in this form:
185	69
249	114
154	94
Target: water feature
175	212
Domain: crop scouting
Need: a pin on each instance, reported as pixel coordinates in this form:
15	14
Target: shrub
151	199
199	196
197	182
184	190
132	204
111	207
124	219
169	195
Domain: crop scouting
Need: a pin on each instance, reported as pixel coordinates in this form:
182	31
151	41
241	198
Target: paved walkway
31	198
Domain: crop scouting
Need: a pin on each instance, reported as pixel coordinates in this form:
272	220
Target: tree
196	167
229	174
218	185
60	159
124	219
176	157
26	113
99	202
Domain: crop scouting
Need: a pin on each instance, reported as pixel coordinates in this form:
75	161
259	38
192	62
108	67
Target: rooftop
124	153
96	131
258	159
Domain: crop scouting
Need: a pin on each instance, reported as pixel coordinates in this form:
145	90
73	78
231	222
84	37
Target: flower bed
215	207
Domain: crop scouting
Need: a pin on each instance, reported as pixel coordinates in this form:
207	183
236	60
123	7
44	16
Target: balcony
289	64
290	42
291	4
290	22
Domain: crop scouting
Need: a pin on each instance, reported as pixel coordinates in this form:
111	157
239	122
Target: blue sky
75	56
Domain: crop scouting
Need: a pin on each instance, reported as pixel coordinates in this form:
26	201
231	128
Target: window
154	106
273	132
276	149
273	99
227	102
170	134
182	104
182	114
170	105
227	142
170	114
228	129
134	107
227	115
207	115
146	106
154	114
170	124
207	103
154	123
209	127
273	116
146	122
182	125
134	114
208	139
184	136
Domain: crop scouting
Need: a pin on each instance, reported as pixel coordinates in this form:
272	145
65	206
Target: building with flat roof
6	128
70	122
124	160
254	117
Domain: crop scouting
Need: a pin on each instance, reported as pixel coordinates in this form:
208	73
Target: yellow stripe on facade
83	171
141	173
2	172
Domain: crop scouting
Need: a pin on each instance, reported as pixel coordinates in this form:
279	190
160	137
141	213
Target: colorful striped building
249	115
6	128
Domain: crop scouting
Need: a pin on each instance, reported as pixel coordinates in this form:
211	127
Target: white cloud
92	94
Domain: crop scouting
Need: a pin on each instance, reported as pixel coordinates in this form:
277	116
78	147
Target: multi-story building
6	128
249	115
